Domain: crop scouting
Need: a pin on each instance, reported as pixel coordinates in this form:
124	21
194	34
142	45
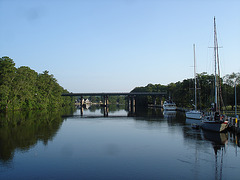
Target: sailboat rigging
216	121
194	114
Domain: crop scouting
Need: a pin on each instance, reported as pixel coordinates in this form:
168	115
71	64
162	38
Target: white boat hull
194	115
169	108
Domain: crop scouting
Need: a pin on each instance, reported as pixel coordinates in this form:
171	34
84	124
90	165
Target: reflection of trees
93	108
179	119
149	112
111	108
22	130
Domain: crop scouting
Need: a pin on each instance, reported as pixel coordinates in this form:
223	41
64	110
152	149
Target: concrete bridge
131	97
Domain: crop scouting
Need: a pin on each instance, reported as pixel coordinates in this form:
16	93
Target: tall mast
215	63
195	83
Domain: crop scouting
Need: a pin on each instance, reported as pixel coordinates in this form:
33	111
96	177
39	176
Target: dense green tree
205	90
7	70
183	92
7	75
229	88
23	88
49	91
144	100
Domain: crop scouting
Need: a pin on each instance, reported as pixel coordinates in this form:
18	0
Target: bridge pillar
154	100
81	105
105	100
81	101
161	100
131	104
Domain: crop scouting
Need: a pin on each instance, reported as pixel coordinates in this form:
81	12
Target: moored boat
217	126
169	105
216	121
194	114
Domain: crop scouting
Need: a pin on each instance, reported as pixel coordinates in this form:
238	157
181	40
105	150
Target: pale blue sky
116	45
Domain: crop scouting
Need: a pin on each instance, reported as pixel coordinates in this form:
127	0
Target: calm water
148	145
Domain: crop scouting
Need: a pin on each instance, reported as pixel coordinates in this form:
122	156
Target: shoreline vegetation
24	89
182	93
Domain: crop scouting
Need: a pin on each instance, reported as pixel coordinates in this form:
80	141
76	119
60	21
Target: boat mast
195	83
215	63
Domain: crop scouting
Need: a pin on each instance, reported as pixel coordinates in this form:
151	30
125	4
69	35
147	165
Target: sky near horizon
117	45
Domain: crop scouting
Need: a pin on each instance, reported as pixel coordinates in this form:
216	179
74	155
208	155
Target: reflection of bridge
131	97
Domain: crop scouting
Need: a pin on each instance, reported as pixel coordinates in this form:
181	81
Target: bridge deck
117	94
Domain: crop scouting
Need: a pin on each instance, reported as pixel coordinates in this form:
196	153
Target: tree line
23	88
182	93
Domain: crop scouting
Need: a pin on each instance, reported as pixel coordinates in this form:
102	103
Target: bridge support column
105	101
154	100
161	100
131	104
81	105
81	101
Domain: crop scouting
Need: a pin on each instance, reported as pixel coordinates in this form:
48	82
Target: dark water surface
149	145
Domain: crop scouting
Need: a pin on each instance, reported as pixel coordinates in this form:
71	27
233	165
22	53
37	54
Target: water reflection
193	121
93	146
20	131
218	141
103	110
118	110
169	114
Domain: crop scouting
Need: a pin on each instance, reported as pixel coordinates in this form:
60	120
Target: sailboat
216	121
194	114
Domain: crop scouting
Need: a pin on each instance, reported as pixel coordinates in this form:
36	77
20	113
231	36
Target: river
148	144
